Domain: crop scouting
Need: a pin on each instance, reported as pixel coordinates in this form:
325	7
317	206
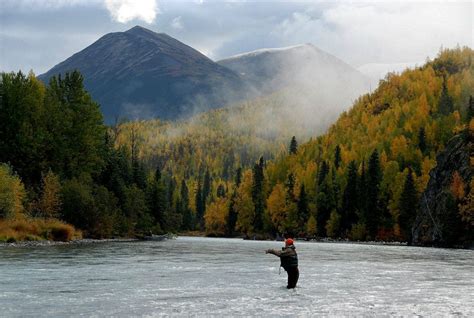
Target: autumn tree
49	204
333	224
311	226
215	218
244	205
277	209
12	193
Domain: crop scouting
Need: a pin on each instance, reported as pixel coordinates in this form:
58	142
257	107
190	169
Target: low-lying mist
298	91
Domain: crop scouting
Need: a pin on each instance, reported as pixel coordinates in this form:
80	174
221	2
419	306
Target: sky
373	36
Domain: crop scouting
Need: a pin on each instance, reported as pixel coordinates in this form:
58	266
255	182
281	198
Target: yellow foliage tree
333	224
276	205
12	193
244	206
50	201
216	217
311	226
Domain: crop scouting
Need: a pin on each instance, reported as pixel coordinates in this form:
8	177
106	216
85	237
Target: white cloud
386	32
177	24
124	11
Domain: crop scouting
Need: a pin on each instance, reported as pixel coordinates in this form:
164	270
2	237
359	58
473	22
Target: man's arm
274	252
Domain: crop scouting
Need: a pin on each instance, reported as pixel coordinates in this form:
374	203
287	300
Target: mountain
143	74
311	71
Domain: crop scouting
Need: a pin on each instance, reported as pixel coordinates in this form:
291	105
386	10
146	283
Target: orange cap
289	241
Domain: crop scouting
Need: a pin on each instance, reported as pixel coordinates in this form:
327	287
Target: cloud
124	11
177	23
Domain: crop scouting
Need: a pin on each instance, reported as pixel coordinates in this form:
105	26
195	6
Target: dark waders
293	275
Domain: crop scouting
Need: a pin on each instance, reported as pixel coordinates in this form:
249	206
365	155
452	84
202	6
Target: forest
224	173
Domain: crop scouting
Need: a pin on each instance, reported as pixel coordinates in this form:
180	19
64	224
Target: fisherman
289	261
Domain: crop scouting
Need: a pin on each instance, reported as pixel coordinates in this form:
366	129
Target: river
231	277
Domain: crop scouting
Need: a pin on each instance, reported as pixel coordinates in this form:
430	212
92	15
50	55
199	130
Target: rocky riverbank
57	243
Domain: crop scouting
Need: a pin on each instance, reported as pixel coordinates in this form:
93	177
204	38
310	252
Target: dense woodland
226	173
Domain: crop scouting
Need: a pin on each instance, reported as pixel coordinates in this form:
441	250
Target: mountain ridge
151	73
141	74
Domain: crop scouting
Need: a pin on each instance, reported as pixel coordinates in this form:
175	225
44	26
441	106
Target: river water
231	277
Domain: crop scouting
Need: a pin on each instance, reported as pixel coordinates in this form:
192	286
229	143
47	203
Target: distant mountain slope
321	77
143	74
140	74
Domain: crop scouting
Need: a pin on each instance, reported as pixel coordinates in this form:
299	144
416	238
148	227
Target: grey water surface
231	277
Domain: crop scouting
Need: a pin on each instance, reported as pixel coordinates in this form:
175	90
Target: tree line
361	180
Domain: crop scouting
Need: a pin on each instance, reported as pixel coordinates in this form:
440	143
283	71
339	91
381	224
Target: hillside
360	180
143	74
369	169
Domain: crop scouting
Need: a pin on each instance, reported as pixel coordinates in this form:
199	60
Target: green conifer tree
445	103
293	145
374	173
337	157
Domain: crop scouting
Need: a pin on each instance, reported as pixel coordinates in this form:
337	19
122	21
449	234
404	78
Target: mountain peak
141	31
140	74
272	50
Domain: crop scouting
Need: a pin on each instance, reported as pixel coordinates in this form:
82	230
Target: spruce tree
293	146
290	188
374	175
362	192
232	214
445	103
183	207
408	206
337	157
200	207
258	195
157	199
325	203
206	189
422	140
470	110
238	176
323	172
350	198
220	191
303	208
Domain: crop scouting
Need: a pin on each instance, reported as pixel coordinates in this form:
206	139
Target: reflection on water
202	276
